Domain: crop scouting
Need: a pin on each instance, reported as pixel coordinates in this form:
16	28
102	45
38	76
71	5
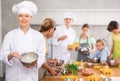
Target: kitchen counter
115	75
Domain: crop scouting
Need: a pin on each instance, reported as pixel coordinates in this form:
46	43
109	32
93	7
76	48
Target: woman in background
21	40
86	44
47	29
114	27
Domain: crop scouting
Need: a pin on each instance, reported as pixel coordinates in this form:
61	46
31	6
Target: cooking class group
45	55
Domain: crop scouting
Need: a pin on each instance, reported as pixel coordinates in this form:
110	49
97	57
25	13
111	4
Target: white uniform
0	57
60	50
17	41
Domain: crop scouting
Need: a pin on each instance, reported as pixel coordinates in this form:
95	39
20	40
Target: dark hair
47	24
102	41
113	25
85	26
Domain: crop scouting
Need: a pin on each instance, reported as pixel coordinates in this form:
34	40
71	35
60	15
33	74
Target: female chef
20	40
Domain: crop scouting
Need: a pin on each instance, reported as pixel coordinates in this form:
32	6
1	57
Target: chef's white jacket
17	41
60	50
0	57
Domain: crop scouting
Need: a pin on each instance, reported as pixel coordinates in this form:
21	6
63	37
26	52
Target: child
102	52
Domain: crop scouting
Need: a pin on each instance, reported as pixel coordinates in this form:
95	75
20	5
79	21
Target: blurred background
97	13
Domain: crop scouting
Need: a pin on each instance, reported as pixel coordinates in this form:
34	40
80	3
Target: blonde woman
47	29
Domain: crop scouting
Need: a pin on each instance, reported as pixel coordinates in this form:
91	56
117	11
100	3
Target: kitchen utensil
28	59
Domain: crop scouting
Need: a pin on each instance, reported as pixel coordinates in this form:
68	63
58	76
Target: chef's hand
31	66
14	54
10	56
62	37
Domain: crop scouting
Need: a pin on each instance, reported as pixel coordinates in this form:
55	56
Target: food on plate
98	67
103	69
87	71
72	68
94	78
69	76
106	71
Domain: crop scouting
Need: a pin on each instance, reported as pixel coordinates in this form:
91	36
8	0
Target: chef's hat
25	7
69	15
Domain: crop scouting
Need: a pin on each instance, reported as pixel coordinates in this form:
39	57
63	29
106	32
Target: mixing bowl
28	59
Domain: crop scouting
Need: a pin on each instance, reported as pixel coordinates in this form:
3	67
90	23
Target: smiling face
24	19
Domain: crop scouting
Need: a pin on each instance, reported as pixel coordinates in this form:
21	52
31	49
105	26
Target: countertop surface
115	75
